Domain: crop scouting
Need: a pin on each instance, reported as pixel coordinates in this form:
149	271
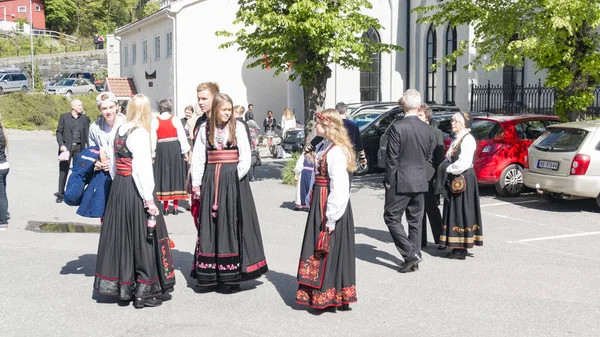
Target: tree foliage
561	37
302	37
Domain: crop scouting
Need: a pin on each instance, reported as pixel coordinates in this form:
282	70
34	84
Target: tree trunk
314	101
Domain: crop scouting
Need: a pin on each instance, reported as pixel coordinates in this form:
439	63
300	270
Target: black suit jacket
409	150
436	159
64	134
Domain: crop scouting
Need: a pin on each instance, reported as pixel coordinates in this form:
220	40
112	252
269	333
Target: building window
370	80
169	44
450	72
38	8
126	56
157	47
144	51
431	52
22	9
133	53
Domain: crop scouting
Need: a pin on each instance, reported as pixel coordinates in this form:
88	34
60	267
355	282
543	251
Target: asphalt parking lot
536	275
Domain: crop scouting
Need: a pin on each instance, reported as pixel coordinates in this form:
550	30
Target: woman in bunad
462	227
328	279
304	172
229	246
134	259
170	153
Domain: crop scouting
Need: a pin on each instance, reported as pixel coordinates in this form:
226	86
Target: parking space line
511	203
554	251
559	237
532	222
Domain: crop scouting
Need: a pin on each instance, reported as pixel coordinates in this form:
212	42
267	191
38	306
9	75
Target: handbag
323	243
458	184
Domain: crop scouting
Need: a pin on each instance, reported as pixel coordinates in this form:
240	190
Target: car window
364	118
22	77
7	77
562	140
66	82
386	121
484	129
530	130
443	123
82	82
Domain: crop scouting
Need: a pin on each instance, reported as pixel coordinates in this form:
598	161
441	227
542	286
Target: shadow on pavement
286	285
269	170
84	265
371	181
379	235
368	253
289	205
183	261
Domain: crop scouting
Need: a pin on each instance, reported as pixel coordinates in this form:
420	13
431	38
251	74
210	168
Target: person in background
188	113
269	124
71	136
4	168
303	174
288	122
250	113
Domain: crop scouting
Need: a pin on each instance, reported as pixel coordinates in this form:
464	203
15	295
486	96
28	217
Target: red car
502	143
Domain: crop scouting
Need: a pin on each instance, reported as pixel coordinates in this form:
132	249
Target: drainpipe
391	54
174	46
118	38
408	24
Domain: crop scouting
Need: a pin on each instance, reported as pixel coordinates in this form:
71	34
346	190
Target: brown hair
189	107
213	87
165	106
426	111
218	101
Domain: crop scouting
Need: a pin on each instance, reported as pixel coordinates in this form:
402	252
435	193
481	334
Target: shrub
287	173
40	112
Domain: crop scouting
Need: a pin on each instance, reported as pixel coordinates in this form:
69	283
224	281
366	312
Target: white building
170	52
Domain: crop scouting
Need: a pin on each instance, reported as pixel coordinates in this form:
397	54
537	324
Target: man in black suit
72	136
409	149
432	196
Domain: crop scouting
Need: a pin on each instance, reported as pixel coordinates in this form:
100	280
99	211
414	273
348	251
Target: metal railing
517	99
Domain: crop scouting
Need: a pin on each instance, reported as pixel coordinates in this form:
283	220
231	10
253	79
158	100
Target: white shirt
199	153
138	143
339	182
181	137
103	136
467	151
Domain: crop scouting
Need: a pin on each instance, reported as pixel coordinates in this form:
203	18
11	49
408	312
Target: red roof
121	86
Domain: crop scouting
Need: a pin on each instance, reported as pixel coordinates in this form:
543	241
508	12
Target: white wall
113	53
224	66
163	84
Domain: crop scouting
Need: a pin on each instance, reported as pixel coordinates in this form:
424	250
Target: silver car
565	161
13	81
71	86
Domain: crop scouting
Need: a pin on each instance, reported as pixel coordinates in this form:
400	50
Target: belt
75	143
223	156
321	181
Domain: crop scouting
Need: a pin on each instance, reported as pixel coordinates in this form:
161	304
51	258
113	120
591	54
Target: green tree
60	14
303	37
561	37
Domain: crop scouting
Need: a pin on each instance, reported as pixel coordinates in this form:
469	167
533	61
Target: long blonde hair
4	132
287	114
139	111
337	133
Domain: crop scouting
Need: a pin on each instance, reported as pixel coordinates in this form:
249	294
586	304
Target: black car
293	140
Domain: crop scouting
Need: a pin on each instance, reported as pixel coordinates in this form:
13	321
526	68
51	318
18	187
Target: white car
565	161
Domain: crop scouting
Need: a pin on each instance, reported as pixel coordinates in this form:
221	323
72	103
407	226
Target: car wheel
511	181
23	88
69	93
1	91
91	91
363	169
598	200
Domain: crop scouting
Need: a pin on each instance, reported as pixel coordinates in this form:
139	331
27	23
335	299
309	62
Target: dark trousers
63	169
3	198
435	218
395	206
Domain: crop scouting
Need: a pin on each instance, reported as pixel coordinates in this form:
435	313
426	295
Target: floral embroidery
476	227
349	293
328	297
309	269
461	230
229	267
202	265
302	295
169	272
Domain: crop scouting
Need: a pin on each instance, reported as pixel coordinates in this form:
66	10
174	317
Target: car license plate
552	165
287	146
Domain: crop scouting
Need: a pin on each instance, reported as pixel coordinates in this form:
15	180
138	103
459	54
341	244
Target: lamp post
31	42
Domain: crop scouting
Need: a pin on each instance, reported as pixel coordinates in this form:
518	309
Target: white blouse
288	124
467	152
199	153
138	143
181	137
339	180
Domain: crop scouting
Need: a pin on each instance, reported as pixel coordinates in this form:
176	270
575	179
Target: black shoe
139	303
166	213
59	200
457	254
440	247
176	211
409	264
345	307
415	267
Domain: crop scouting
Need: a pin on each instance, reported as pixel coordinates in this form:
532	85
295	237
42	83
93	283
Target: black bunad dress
229	246
462	226
328	280
128	265
170	169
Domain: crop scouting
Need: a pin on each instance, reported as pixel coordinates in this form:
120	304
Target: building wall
9	11
163	85
113	56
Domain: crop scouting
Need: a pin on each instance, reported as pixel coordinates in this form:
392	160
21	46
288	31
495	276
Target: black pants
435	218
395	206
63	169
3	198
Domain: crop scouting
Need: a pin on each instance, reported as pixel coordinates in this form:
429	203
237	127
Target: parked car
565	161
12	80
293	140
355	108
71	86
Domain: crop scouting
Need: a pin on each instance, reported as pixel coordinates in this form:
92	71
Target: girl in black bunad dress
462	227
170	157
329	279
131	263
229	246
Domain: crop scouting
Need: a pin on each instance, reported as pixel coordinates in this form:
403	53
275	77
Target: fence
517	99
